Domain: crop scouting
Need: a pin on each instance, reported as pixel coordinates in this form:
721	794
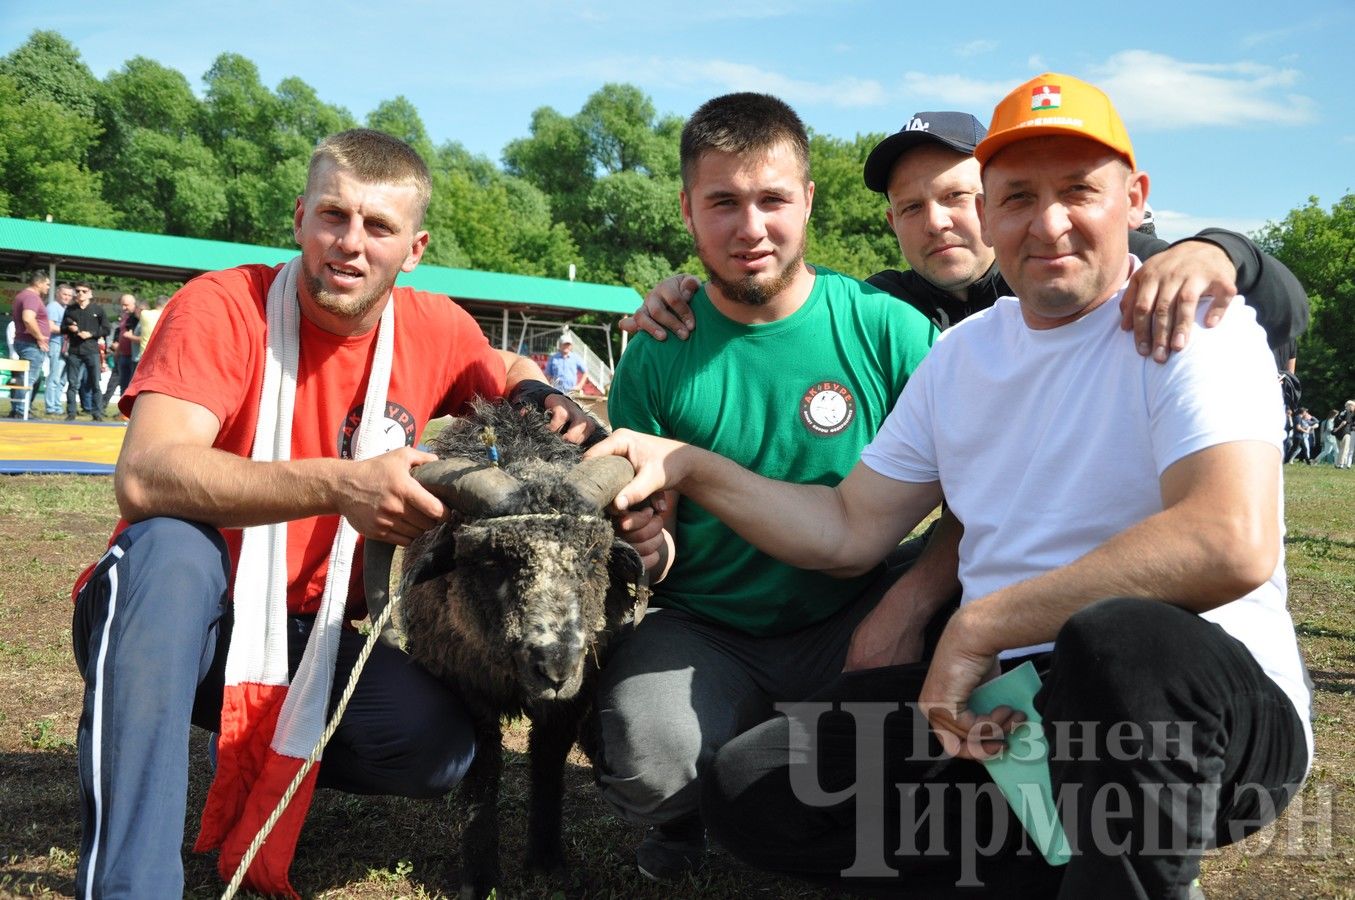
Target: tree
847	230
1319	247
48	67
611	173
304	119
43	148
400	119
241	129
159	174
556	160
482	218
48	99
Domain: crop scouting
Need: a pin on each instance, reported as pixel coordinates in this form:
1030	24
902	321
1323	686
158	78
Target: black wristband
533	392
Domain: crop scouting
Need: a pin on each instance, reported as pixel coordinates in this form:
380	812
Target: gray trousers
679	687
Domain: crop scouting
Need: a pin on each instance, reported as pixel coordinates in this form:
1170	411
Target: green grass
379	847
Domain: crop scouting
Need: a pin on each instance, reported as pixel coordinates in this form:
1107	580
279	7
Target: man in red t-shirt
153	620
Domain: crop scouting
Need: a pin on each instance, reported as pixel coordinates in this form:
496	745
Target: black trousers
82	371
1165	738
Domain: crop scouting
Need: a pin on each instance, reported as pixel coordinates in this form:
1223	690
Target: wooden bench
18	372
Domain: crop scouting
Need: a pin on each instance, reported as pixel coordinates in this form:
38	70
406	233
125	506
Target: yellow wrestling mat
88	448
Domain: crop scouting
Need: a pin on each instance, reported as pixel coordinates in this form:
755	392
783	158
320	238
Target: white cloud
1256	38
839	92
714	76
955	91
1154	91
976	48
1036	63
1172	225
1329	20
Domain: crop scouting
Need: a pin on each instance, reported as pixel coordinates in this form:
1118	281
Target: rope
537	517
267	827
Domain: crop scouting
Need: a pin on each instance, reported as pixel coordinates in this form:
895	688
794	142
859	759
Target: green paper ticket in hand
1021	770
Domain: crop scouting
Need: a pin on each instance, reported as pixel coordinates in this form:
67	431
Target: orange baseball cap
1055	104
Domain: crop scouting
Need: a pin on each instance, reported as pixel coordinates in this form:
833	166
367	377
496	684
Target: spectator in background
126	347
1329	446
1148	226
32	330
1301	444
56	348
564	369
84	326
149	315
1345	434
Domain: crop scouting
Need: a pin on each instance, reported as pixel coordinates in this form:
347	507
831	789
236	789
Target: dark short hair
38	275
375	158
742	124
85	285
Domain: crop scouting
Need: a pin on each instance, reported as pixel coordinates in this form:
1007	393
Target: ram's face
535	585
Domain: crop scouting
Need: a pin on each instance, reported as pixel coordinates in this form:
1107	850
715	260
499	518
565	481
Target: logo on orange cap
1055	104
1046	96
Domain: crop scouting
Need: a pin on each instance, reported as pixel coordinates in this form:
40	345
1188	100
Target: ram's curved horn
376	580
600	479
469	486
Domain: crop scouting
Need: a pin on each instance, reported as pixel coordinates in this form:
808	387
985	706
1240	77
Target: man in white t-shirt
1136	560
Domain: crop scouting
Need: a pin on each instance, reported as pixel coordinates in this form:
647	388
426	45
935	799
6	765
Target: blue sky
1239	111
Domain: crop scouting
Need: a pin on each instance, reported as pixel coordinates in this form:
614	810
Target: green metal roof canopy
156	257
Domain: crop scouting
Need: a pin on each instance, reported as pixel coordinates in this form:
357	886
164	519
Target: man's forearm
933	578
842	531
225	490
796	523
518	369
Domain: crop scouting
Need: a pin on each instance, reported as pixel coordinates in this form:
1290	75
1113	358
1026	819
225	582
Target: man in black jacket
82	327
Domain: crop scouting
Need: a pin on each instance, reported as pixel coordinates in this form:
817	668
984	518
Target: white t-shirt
1048	443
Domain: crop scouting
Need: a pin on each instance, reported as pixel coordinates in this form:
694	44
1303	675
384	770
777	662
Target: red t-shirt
209	350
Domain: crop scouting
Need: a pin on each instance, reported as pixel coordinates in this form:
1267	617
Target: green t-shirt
795	400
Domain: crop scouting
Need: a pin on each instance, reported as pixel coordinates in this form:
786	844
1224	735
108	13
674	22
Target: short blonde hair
375	157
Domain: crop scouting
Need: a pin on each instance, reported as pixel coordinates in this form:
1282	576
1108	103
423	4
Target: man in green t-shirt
791	373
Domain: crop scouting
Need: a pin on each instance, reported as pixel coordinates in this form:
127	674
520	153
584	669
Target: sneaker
673	851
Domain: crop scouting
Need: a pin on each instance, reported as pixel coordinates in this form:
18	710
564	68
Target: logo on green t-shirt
827	408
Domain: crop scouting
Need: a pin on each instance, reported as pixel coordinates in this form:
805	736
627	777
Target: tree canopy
1318	245
596	188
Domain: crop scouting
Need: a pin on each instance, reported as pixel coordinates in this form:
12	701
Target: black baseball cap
956	130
